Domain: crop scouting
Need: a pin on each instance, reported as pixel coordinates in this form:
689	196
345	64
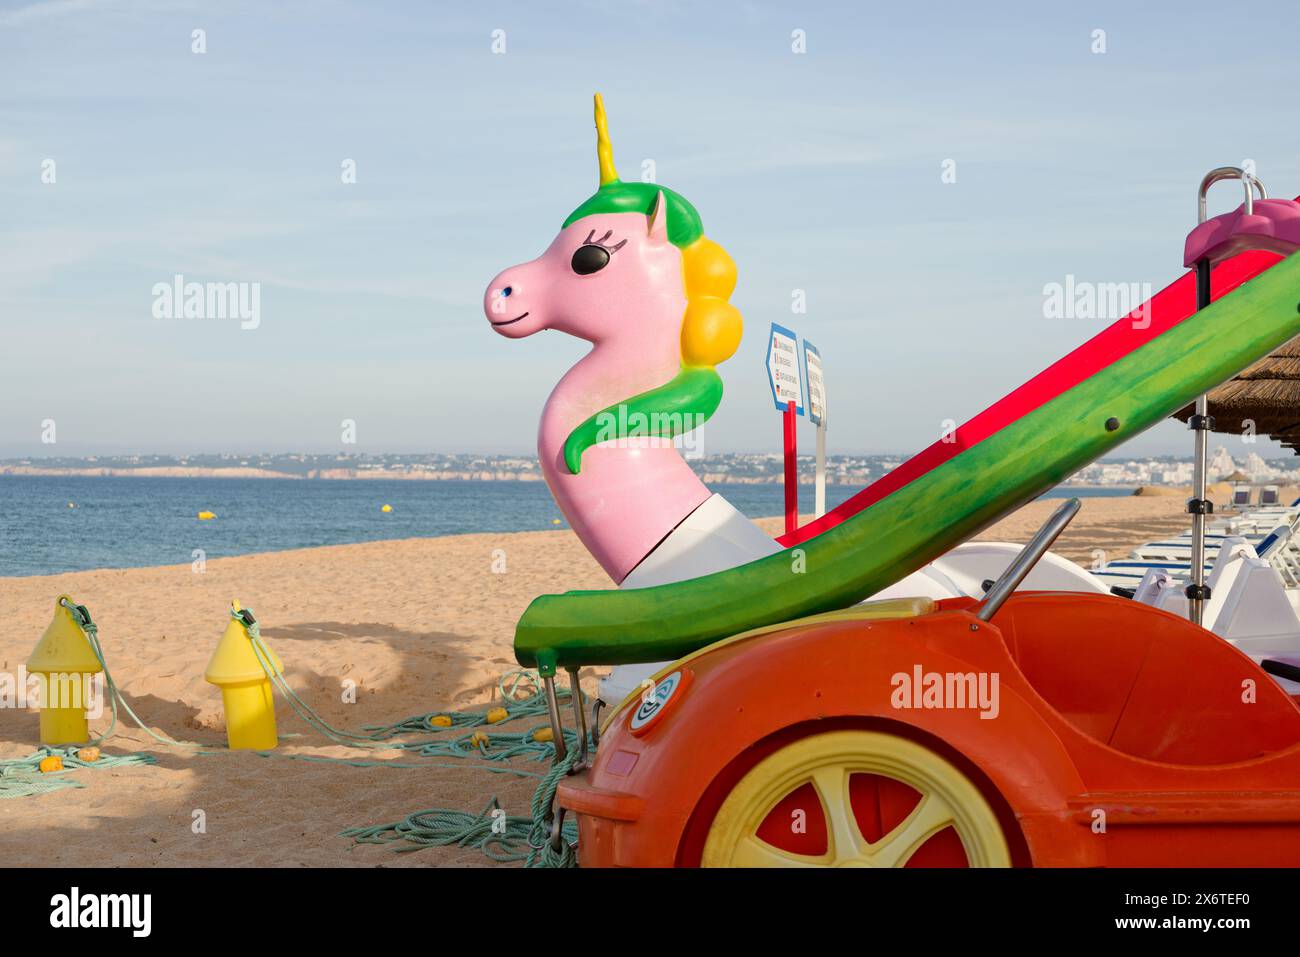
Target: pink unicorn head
632	273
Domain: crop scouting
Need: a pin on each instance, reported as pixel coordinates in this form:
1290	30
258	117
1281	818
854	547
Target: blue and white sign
783	369
812	365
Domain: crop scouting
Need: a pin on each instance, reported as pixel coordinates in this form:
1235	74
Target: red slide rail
1158	315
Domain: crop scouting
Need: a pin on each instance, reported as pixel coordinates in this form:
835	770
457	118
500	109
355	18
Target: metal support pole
595	722
1200	423
553	713
580	719
1199	506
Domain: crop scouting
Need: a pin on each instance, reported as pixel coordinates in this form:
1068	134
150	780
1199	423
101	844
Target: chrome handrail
1015	573
1229	172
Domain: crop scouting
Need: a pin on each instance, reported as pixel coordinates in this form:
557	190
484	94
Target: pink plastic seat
1273	225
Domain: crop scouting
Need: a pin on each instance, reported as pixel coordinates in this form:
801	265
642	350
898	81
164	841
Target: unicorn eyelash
592	241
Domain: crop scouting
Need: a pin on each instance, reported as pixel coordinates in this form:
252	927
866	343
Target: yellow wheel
855	799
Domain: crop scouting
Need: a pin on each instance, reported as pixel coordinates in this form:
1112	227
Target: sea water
122	522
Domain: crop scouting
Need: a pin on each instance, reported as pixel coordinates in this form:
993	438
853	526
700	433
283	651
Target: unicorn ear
657	221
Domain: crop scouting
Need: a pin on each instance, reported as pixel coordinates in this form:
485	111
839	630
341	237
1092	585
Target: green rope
500	837
303	709
498	746
544	854
378	736
359	763
497	836
517	838
532	705
22	777
90	629
491	831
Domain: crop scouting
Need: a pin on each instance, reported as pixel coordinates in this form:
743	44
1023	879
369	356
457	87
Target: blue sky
819	171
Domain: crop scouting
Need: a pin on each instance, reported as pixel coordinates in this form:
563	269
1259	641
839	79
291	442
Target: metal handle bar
1229	172
1028	558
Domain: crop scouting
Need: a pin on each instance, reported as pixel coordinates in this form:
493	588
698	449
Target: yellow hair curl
711	327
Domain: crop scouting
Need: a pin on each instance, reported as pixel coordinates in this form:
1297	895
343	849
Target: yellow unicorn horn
604	152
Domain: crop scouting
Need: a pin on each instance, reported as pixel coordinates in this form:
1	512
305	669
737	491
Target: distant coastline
855	470
179	471
371	474
341	474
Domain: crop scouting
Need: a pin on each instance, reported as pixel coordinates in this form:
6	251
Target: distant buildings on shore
1168	470
741	468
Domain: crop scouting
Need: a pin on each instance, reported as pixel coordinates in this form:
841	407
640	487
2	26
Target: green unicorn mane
684	226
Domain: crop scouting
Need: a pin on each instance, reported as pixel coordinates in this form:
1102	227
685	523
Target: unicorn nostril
507	291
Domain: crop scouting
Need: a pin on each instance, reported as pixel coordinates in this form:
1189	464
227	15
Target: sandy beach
418	624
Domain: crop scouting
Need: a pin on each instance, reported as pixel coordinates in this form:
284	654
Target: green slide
1125	380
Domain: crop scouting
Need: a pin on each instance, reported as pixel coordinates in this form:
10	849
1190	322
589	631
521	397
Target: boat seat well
1145	682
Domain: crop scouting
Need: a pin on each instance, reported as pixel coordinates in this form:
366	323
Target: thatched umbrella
1237	476
1266	394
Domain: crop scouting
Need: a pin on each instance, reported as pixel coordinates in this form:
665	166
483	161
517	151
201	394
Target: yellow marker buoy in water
65	662
206	516
387	508
246	694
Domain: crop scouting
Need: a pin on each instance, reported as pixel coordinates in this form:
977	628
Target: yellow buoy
441	721
478	740
206	516
72	505
497	714
246	694
543	734
64	661
51	763
89	755
387	508
556	521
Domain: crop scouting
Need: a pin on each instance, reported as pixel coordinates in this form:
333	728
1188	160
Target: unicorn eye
589	258
593	255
